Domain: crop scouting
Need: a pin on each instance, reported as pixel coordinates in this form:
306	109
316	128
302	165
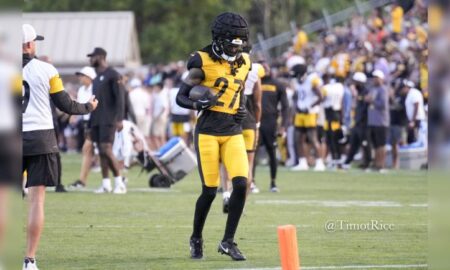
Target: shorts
305	121
212	150
180	128
378	136
42	170
159	127
249	139
396	134
103	134
143	122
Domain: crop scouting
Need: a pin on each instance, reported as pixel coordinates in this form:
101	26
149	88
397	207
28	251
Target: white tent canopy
70	36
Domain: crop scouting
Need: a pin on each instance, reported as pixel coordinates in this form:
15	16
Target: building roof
70	36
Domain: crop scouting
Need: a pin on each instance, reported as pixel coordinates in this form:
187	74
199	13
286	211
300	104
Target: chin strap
222	55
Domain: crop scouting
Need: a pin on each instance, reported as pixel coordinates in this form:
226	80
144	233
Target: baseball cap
97	51
408	83
378	74
360	77
87	71
29	34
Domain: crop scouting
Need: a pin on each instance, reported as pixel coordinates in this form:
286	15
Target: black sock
202	208
236	206
272	183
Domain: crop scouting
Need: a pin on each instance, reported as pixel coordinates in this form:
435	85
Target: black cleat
77	185
60	189
196	247
230	248
226	203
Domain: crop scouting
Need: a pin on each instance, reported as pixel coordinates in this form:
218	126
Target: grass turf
150	230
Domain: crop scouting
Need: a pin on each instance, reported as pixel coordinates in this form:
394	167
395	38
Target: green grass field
147	229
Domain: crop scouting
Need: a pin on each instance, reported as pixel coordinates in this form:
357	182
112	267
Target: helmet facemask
228	49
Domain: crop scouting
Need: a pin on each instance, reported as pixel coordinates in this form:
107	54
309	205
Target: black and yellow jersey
227	82
273	94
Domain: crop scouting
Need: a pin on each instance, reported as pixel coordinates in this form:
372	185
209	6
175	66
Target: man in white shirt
85	76
415	110
160	114
41	83
142	105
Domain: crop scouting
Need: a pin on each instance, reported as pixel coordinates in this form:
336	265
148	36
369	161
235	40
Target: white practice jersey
255	73
306	96
40	79
333	95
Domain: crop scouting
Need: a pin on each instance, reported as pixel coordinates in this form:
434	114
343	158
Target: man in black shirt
359	133
107	118
273	93
399	122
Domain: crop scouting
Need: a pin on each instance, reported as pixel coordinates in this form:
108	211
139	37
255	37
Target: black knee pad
239	184
209	192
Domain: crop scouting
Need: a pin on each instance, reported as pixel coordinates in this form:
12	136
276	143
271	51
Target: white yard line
329	203
387	266
132	190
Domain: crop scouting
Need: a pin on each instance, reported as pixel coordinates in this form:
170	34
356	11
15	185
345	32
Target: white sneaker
320	166
120	189
302	165
29	265
254	189
103	189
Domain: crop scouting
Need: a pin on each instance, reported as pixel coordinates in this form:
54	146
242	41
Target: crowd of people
356	91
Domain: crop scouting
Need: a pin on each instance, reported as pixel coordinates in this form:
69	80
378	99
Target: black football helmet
230	36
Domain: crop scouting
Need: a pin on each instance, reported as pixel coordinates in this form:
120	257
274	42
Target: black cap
97	51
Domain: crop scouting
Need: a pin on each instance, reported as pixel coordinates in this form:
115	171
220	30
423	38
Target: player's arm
195	77
284	105
118	90
316	89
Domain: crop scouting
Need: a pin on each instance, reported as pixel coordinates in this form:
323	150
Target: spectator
142	102
85	76
414	109
378	118
160	112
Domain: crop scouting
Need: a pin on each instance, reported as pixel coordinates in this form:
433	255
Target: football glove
240	115
204	104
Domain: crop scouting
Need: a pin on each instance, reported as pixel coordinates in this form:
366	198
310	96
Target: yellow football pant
230	150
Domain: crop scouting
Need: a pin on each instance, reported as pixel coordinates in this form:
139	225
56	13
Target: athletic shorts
396	134
378	136
159	127
103	134
249	139
213	150
304	121
42	170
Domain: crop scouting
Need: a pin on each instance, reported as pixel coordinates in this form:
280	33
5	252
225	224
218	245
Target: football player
273	97
221	66
308	98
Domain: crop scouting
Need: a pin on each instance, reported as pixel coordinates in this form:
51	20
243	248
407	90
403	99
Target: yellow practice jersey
227	82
